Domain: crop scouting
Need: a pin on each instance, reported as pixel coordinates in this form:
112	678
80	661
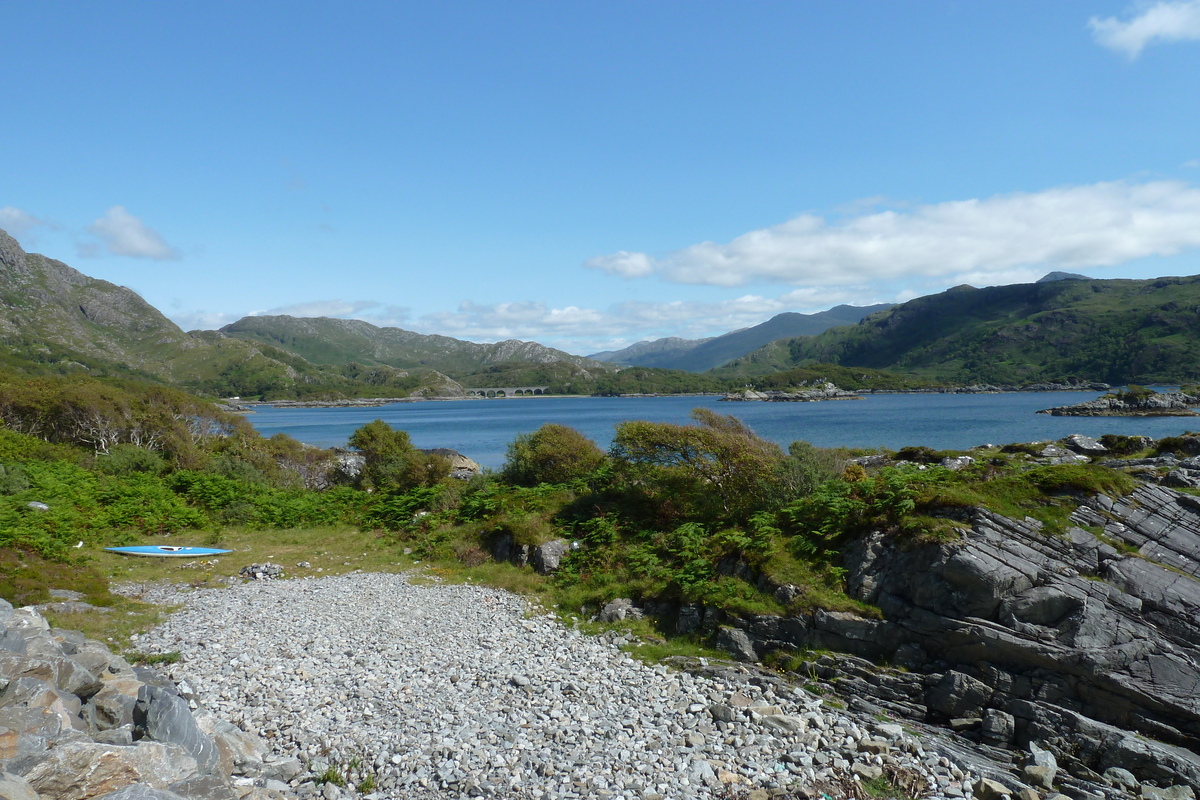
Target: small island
1135	401
821	391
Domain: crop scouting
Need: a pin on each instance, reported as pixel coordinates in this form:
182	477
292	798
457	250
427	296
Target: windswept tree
551	454
719	459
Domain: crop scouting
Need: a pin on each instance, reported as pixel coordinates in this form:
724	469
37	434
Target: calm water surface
481	429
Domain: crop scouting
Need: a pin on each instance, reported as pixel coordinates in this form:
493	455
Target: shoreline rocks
1083	644
825	391
1154	404
79	722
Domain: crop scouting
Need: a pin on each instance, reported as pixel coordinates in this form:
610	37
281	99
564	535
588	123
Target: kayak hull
167	551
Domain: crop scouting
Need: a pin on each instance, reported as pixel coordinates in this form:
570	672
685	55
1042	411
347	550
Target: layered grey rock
77	722
1073	642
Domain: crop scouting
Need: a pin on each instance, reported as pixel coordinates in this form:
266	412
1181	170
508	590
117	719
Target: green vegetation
1117	331
551	454
849	378
703	513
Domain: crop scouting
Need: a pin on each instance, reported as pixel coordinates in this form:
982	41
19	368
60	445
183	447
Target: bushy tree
720	457
551	454
391	462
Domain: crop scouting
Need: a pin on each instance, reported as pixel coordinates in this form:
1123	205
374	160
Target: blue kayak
167	550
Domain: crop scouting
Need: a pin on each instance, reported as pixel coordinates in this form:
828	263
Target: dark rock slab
162	716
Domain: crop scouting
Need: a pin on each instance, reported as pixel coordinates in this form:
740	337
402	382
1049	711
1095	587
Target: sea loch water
481	429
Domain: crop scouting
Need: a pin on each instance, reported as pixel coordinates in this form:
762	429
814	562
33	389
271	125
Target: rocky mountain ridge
1115	331
699	355
54	318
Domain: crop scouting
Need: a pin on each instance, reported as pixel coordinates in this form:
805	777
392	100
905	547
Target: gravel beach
432	690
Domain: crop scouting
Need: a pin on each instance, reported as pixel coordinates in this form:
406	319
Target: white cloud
625	264
323	308
202	320
590	330
126	235
1074	227
1165	21
17	222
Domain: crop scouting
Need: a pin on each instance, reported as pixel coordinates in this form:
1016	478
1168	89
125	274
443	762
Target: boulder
619	609
15	787
161	716
737	643
87	769
547	557
1086	445
112	707
957	694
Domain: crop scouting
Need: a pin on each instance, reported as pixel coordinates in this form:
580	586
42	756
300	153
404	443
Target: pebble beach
412	689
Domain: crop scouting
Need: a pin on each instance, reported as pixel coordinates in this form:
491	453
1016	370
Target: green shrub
390	461
552	454
717	468
127	459
1123	445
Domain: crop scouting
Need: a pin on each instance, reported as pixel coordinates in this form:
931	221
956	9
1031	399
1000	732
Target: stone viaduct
508	391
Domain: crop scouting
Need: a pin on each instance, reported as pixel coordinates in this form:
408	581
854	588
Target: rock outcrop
78	722
1084	643
824	391
544	558
1124	404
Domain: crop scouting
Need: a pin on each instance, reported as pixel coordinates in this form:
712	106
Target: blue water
481	429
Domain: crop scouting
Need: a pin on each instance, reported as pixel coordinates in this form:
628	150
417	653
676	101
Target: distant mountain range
324	340
56	319
699	355
1117	331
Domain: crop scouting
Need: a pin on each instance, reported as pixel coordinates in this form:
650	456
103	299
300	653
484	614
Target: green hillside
699	355
1116	331
56	320
324	340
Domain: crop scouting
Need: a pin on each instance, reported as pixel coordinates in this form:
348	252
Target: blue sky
588	175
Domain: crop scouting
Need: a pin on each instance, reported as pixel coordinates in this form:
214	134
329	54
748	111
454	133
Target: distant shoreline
248	406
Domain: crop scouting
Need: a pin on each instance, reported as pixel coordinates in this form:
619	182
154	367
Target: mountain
698	355
659	349
1050	277
323	340
56	319
1116	331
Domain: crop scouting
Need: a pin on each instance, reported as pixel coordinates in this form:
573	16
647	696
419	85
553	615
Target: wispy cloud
324	308
990	240
571	328
123	234
590	330
17	222
202	320
1166	22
